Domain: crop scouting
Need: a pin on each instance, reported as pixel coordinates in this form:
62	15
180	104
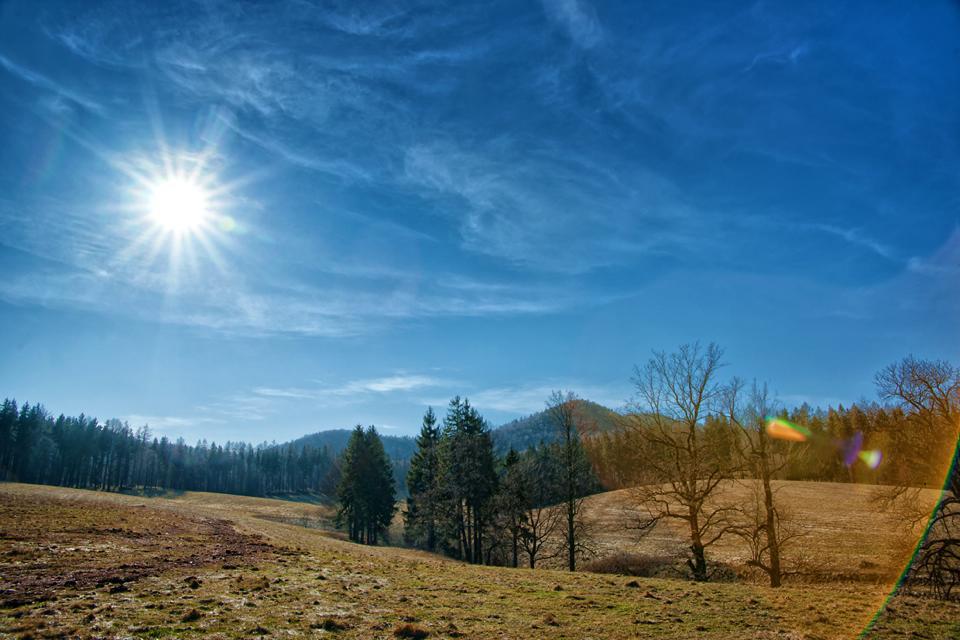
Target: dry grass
290	581
845	536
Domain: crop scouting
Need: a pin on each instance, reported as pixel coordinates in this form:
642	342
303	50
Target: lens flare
851	449
871	457
783	429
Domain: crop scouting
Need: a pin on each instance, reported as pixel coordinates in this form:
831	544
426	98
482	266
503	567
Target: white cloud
393	383
355	390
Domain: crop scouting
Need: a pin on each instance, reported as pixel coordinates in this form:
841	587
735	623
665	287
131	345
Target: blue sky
411	201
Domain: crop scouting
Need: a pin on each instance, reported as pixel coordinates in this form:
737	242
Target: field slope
86	564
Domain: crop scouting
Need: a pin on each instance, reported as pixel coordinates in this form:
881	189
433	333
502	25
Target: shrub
633	564
410	631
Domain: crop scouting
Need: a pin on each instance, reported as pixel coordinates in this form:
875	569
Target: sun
178	204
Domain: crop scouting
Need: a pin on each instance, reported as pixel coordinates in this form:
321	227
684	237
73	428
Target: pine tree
8	427
512	501
366	492
468	477
420	518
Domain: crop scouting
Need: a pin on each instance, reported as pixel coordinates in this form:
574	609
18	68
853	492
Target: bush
634	564
410	631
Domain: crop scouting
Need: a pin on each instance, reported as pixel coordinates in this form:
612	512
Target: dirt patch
49	545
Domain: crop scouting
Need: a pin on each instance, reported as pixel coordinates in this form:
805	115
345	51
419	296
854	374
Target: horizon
241	223
386	431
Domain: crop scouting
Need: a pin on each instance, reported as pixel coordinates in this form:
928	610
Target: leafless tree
564	410
929	392
760	521
679	473
537	530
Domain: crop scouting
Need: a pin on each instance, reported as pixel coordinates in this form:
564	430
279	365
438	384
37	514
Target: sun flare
178	205
178	212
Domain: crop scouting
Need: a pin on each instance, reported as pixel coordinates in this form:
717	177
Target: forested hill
399	449
86	453
520	434
335	440
529	431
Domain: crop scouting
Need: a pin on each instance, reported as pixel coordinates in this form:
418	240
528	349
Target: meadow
86	564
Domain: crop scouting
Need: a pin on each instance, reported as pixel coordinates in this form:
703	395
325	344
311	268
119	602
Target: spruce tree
420	518
366	492
469	479
512	501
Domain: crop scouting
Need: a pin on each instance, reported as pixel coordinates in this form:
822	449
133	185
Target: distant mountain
397	447
527	432
520	434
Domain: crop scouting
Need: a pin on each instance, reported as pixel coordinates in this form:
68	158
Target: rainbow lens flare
871	457
785	430
851	449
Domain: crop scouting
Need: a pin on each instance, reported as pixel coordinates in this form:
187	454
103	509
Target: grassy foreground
87	564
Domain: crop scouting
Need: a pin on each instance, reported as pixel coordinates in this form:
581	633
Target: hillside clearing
277	579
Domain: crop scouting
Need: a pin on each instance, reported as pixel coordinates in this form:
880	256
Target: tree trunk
698	561
773	541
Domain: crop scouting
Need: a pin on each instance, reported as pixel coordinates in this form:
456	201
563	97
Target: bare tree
929	392
564	410
761	522
538	527
675	393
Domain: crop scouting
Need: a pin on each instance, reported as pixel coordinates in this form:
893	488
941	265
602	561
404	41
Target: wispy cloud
314	161
524	203
356	389
789	55
169	423
43	82
532	397
94	263
578	18
858	238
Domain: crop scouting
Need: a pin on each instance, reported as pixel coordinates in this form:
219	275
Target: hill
397	447
529	431
87	564
520	434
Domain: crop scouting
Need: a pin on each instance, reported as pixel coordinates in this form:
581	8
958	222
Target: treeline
906	445
82	452
471	504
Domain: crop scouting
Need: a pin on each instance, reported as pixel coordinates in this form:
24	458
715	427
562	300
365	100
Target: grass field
843	533
88	564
